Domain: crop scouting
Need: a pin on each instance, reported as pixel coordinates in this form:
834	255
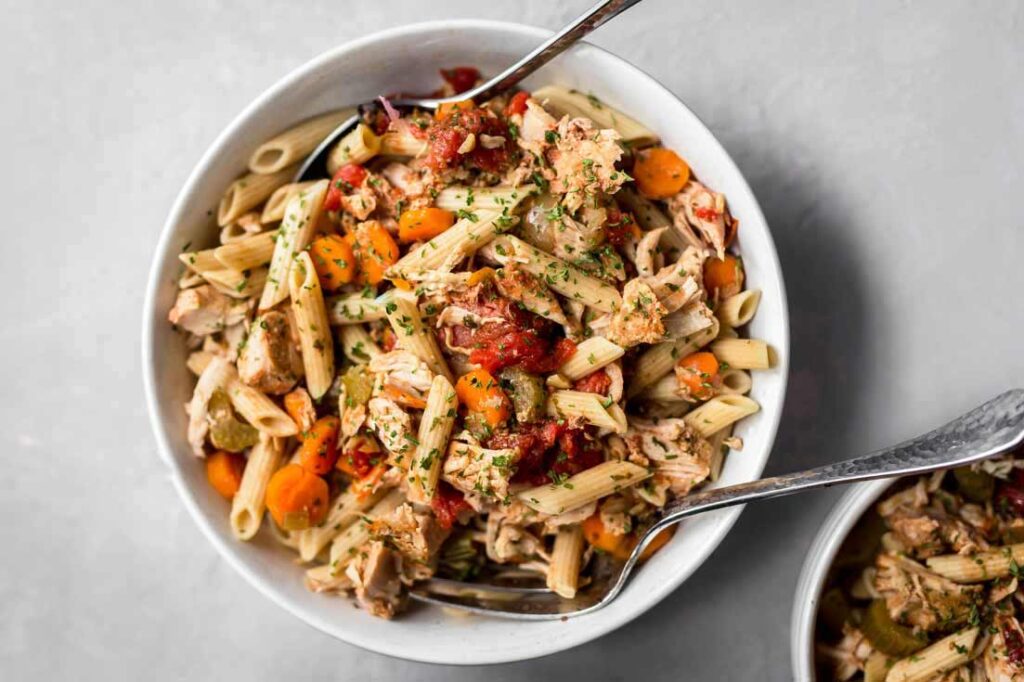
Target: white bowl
838	524
407	59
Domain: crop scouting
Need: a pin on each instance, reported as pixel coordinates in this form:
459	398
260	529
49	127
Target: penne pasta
248	505
448	249
463	198
586	105
358	147
273	210
718	452
346	543
435	428
742	353
259	410
296	143
237	284
665	390
736	382
347	310
566	556
946	654
591	407
247	252
585	487
402	143
300	220
357	344
561	277
590	356
312	326
345	510
413	335
720	412
250	191
980	567
739	309
658	361
649	217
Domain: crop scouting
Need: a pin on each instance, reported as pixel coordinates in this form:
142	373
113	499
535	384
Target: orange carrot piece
658	542
600	538
480	392
660	173
448	108
333	260
481	275
319	449
421	224
723	277
375	250
296	498
224	472
299	407
698	374
403	398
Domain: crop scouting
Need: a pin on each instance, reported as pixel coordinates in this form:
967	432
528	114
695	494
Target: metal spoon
991	429
315	164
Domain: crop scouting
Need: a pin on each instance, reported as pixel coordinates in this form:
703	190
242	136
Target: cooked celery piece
887	635
526	391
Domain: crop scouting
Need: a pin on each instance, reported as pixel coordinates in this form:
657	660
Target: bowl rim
847	511
152	317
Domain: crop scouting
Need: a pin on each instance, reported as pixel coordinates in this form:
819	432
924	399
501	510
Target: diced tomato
1009	500
461	78
575	454
595	382
446	135
345	180
517	105
564	349
620	226
358	463
1014	645
388	340
706	213
448	504
548	448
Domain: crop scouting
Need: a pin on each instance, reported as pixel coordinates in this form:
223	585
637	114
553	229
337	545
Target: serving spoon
315	164
991	429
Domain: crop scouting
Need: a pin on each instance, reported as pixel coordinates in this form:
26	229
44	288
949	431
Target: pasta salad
927	586
493	339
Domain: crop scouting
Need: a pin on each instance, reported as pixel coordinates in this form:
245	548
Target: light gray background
883	140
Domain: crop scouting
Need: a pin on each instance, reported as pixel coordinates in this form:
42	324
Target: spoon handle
986	431
549	49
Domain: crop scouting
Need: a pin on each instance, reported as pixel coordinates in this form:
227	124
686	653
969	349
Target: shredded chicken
638	319
704	210
915	596
203	310
516	283
536	127
270	359
375	575
394	429
478	471
584	161
850	655
417	536
403	371
679	454
508	542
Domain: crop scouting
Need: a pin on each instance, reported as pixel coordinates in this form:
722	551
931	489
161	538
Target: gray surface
883	142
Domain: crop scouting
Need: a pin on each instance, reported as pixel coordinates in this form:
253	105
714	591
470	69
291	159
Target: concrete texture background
883	140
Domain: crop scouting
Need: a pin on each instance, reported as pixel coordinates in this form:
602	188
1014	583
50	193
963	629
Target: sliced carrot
421	224
660	173
480	275
224	472
333	260
319	449
480	392
374	249
299	407
296	498
445	109
658	542
698	374
403	284
365	485
403	398
600	538
723	277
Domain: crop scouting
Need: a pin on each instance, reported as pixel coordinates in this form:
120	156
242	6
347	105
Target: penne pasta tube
718	452
658	361
448	249
727	333
199	360
346	543
345	510
403	314
347	310
688	321
273	210
665	390
738	310
312	326
591	407
720	412
402	143
216	375
736	382
295	144
566	557
590	356
248	505
237	284
358	345
359	146
246	226
457	198
247	252
435	429
742	353
248	192
585	487
977	568
300	220
576	104
947	653
259	410
558	275
200	261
